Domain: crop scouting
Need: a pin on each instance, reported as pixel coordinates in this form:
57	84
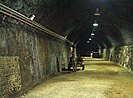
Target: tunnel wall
38	57
123	56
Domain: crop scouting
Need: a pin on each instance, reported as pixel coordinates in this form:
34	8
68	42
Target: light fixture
32	17
97	12
4	17
95	24
90	39
92	34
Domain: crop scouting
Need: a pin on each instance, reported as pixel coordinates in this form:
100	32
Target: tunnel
40	38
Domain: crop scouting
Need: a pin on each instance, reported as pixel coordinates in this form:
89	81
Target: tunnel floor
100	79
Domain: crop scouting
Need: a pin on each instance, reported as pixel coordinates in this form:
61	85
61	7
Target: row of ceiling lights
95	24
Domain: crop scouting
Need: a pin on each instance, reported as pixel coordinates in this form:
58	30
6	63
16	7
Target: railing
18	16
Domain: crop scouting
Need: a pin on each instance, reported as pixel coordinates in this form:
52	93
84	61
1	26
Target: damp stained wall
122	55
37	52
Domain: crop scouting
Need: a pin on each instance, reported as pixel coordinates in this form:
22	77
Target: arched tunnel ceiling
74	19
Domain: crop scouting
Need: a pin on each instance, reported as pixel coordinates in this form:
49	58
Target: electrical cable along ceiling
74	19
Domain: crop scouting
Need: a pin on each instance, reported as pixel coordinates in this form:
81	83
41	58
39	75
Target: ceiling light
90	39
97	12
92	34
95	24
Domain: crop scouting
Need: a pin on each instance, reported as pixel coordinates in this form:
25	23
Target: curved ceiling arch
74	18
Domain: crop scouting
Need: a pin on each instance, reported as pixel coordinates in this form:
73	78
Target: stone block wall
10	81
121	55
39	55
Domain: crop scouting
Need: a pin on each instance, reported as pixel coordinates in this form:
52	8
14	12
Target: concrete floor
100	79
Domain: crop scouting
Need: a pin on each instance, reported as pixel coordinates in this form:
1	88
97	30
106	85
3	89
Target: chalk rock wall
39	55
121	55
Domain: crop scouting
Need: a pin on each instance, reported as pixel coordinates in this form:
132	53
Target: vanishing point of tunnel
66	48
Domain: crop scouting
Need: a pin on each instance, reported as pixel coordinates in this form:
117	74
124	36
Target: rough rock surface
40	55
121	55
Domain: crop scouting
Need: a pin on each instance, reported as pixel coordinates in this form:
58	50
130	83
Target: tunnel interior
77	26
74	20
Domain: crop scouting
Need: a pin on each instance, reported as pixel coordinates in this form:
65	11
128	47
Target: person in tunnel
72	63
80	61
91	54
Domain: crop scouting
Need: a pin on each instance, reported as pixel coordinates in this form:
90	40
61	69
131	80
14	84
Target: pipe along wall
27	57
